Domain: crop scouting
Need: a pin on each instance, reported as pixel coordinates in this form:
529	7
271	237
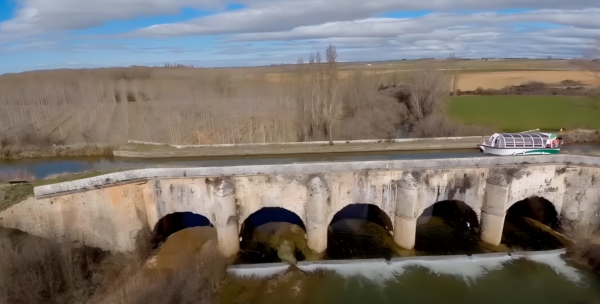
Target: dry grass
200	282
34	270
320	99
47	272
180	105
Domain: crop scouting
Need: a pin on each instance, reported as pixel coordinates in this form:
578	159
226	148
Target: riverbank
139	150
33	151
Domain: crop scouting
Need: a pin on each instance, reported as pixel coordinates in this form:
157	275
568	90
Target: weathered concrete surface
104	212
157	150
106	218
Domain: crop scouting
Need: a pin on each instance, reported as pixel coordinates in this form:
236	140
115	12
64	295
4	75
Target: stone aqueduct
107	211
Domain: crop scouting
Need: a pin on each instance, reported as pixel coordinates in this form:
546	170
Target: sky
49	34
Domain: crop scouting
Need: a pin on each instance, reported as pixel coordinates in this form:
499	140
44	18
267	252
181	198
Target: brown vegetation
16	175
424	93
186	105
181	105
34	270
566	88
40	271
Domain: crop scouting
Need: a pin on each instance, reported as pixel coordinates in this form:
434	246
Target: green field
521	113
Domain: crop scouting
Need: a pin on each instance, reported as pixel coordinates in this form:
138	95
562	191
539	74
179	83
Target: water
359	233
544	278
44	167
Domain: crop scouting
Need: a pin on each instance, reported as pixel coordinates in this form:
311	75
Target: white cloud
35	16
283	16
260	15
284	29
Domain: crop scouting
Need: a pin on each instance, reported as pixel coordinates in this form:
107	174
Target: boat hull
517	151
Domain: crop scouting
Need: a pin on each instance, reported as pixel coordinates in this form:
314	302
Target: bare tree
590	61
593	57
429	89
333	104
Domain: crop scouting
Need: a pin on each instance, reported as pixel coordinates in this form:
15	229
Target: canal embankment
157	150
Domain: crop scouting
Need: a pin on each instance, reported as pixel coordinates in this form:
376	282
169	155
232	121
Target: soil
577	136
498	80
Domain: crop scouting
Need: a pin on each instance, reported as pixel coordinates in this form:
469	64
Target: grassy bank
520	113
14	194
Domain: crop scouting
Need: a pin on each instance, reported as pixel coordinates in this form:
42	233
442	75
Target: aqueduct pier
107	211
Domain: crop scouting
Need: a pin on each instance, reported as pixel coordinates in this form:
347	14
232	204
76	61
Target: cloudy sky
43	34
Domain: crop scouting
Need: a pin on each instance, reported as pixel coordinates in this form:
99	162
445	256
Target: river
544	278
45	167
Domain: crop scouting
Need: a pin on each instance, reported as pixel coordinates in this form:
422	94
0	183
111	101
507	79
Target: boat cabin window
523	140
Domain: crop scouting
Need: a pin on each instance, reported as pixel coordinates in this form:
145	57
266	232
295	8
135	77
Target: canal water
45	167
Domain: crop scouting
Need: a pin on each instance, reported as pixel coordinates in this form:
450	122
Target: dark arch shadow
448	227
360	231
525	225
175	222
269	215
368	212
263	233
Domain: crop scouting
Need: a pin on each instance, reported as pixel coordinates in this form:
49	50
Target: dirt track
498	80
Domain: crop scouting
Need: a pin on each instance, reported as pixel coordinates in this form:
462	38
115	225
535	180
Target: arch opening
531	224
360	231
175	222
273	234
448	227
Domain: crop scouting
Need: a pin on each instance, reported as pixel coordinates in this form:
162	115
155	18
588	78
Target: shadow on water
530	224
360	231
273	235
448	227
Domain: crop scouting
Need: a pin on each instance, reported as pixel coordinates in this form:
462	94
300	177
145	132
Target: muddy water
544	279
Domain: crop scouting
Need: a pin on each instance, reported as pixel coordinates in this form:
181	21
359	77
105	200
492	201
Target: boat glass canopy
520	140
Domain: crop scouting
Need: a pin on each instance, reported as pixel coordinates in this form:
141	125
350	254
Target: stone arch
519	231
272	234
360	231
177	221
550	196
537	208
369	212
267	215
454	210
447	227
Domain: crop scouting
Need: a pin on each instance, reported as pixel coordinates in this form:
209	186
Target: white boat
521	144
